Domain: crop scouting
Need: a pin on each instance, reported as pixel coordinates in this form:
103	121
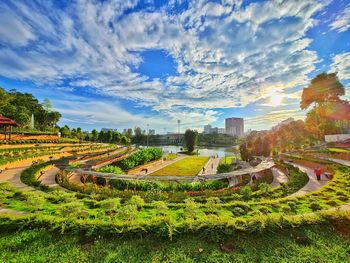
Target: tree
323	88
65	131
191	138
94	135
47	105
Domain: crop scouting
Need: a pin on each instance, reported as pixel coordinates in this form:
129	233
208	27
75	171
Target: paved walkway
278	177
211	167
343	162
49	177
313	184
14	177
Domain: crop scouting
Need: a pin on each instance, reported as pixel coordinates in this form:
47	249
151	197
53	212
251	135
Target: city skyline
131	63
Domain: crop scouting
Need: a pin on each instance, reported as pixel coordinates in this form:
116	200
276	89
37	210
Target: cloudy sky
127	63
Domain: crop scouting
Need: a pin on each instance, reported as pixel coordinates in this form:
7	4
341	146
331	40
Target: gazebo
7	125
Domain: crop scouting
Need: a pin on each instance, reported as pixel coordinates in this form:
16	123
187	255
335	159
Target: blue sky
127	63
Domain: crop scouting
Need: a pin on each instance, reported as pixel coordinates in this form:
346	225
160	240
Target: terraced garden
201	220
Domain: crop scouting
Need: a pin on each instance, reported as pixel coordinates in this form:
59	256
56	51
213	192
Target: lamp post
147	134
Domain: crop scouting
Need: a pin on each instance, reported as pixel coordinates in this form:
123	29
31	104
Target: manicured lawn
190	166
319	243
338	150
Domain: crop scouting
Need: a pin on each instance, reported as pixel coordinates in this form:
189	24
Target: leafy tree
94	135
191	138
65	131
323	88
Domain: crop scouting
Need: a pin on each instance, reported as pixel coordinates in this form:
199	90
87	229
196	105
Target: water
203	151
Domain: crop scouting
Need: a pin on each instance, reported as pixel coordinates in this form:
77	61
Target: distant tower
31	125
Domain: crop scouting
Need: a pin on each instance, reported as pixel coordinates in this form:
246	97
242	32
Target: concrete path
278	177
211	167
340	161
14	177
313	184
49	177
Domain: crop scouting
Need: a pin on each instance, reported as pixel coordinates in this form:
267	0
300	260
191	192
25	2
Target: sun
276	99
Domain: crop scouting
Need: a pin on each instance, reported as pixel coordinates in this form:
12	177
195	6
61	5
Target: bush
34	201
141	157
213	204
71	209
111	169
137	201
314	206
223	168
191	209
246	192
127	212
161	208
238	211
110	205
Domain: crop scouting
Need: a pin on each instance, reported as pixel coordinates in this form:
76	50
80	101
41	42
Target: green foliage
191	139
246	192
30	175
224	168
141	157
191	209
72	209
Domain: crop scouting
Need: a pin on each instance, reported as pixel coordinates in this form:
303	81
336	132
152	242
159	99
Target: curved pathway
49	177
313	184
211	166
278	177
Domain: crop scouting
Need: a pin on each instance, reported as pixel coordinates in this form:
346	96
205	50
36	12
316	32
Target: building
207	129
234	126
221	130
152	132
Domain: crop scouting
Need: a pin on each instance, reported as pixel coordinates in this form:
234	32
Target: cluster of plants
139	158
111	169
166	187
30	175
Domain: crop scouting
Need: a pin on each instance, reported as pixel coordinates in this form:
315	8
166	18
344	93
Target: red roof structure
4	121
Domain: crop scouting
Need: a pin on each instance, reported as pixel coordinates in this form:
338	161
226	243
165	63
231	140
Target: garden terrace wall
15	137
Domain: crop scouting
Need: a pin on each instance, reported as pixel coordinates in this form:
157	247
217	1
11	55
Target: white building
234	126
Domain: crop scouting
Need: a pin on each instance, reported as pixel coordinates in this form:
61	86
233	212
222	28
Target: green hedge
184	187
141	157
30	175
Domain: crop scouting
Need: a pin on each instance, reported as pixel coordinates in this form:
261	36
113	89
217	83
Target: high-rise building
221	130
207	129
234	126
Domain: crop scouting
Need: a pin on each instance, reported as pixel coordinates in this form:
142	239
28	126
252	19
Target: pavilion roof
7	121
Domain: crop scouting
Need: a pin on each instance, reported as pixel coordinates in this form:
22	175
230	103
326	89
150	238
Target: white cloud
341	64
227	55
342	21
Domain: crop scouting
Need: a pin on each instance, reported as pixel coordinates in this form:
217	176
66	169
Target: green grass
189	166
171	156
227	160
318	243
337	150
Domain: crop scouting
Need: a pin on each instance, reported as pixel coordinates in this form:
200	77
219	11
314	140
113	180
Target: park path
313	184
49	177
278	177
211	166
340	161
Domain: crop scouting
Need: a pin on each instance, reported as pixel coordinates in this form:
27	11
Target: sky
127	63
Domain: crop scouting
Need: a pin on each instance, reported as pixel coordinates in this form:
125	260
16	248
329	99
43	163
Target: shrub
223	168
161	208
314	206
246	192
110	205
137	201
238	211
191	209
111	169
72	209
34	201
141	157
127	212
212	204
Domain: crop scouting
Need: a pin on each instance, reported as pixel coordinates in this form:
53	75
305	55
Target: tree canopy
191	138
20	106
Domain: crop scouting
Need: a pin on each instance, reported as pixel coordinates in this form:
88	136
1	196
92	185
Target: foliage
224	168
191	139
110	169
20	106
141	157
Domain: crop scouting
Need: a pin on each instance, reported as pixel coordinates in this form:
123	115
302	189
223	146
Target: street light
147	134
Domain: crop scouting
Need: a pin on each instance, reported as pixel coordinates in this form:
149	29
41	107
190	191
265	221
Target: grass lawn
228	160
189	166
319	243
338	150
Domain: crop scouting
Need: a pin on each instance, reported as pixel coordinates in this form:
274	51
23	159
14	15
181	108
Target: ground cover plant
189	166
